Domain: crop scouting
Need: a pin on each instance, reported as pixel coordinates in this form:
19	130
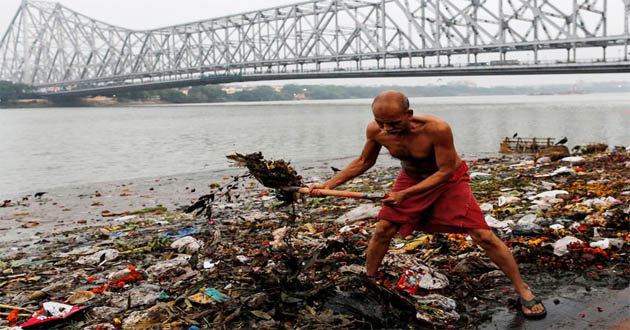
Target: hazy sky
145	14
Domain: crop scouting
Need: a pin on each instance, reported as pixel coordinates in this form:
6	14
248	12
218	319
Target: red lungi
449	207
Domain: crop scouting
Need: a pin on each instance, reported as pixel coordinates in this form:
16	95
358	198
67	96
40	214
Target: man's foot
532	308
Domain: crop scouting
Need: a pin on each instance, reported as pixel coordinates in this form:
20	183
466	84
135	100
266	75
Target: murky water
43	148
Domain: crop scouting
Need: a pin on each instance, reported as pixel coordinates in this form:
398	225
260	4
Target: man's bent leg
502	256
379	243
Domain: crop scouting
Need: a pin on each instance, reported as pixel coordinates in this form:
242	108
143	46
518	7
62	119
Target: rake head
274	174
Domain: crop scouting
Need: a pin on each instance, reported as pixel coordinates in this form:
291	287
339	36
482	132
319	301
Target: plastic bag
365	211
51	311
560	247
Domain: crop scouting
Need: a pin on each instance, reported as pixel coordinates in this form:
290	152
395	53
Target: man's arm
364	162
446	159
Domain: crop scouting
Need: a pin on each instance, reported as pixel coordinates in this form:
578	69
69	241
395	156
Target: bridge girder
55	48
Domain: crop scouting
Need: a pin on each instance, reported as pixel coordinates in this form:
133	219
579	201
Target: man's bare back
415	148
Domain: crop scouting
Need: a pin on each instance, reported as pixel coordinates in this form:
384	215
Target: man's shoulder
373	130
432	123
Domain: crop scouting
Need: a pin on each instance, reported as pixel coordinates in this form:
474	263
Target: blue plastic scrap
389	177
181	233
216	295
119	234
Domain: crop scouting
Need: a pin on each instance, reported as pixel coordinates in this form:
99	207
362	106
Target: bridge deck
569	68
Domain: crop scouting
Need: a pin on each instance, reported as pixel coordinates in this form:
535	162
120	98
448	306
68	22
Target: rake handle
343	193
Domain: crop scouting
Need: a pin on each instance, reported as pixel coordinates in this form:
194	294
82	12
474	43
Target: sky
146	14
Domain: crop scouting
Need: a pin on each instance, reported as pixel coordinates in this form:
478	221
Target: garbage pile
246	265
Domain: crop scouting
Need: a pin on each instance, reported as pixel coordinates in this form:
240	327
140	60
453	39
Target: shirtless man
431	193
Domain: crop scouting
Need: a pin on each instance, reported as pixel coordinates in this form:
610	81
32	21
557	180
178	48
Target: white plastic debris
125	218
347	228
187	244
433	281
439	301
616	243
494	223
527	219
209	264
548	185
503	200
364	211
556	226
165	266
99	257
560	247
602	203
543	160
551	196
526	225
56	309
561	170
486	207
602	244
540	205
145	294
242	259
574	160
429	279
442	311
119	274
354	268
479	176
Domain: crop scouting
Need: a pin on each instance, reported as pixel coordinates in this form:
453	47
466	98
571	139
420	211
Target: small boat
525	145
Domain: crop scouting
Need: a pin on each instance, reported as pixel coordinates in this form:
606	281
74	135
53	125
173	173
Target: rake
279	175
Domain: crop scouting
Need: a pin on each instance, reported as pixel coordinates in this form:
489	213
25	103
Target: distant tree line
215	93
10	92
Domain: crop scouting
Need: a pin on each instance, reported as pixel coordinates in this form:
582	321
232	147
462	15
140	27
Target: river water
51	147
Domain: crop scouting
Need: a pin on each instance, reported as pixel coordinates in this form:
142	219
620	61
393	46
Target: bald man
431	192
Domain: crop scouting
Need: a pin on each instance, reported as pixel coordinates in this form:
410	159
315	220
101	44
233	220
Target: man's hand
394	198
313	189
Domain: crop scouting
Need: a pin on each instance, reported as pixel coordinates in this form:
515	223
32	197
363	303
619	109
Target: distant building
231	89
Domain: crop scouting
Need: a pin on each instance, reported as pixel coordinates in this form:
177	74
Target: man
431	192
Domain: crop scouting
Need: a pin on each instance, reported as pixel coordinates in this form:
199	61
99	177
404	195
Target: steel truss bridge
64	53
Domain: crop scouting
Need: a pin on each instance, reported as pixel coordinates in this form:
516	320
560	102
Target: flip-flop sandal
530	304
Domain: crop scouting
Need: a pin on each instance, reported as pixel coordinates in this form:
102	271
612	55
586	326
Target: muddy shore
46	237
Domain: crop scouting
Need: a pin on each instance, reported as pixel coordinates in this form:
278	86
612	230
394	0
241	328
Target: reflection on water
42	148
